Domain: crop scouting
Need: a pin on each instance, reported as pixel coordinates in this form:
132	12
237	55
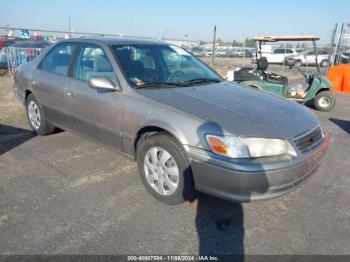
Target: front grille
308	140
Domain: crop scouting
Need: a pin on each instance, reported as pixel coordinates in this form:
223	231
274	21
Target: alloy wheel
34	114
161	170
324	102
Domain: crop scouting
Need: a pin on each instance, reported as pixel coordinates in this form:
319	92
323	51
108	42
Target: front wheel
164	169
324	101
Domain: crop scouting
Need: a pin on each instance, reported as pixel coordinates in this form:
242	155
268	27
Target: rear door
310	58
49	80
276	56
95	114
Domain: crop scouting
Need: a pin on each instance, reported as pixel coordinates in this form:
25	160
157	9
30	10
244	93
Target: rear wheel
324	101
298	63
164	169
324	63
36	117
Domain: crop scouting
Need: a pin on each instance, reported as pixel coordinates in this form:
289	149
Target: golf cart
312	87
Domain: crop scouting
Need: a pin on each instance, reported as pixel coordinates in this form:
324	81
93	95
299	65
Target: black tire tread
320	94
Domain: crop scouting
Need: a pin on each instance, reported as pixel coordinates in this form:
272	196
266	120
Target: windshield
147	64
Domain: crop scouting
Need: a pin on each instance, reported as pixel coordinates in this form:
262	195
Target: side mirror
103	82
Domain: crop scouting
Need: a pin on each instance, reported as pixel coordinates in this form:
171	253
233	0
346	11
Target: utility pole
331	57
243	44
70	29
8	30
213	50
339	42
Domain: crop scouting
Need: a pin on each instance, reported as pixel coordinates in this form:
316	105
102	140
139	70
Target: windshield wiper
159	84
201	80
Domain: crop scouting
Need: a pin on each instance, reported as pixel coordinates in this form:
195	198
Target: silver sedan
186	127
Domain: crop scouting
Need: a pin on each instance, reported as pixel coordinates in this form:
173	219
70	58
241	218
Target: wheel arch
27	92
322	90
153	128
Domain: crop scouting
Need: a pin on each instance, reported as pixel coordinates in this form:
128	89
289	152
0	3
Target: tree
249	42
236	43
220	42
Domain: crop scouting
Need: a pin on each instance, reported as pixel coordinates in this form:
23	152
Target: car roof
115	41
31	44
274	38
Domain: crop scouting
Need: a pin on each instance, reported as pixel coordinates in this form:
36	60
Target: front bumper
250	180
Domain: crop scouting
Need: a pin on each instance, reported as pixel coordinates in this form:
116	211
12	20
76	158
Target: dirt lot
60	194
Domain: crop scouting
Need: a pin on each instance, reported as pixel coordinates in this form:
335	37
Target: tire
324	63
36	117
298	63
324	101
182	188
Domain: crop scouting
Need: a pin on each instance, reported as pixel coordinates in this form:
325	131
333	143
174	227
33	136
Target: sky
182	19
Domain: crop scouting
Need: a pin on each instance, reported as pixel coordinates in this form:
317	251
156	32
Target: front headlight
248	147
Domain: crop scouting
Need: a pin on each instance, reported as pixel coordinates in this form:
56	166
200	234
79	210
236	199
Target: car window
289	51
322	52
58	59
178	62
148	63
92	61
278	51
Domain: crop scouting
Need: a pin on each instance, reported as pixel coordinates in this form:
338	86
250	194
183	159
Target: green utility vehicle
312	87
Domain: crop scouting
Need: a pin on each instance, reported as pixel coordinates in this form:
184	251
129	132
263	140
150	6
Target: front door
95	114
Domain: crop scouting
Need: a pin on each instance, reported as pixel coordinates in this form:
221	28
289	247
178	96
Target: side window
279	51
58	59
289	51
92	62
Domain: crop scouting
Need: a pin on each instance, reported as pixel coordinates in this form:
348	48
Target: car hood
239	110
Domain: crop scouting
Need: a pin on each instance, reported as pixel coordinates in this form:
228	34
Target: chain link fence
11	56
17	56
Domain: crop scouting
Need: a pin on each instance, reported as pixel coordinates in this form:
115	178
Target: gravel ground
61	194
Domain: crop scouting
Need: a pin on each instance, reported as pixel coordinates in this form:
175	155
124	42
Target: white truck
308	58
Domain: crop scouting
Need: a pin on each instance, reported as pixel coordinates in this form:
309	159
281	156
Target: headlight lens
248	147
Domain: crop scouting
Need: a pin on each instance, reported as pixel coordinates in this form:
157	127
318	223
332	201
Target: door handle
70	93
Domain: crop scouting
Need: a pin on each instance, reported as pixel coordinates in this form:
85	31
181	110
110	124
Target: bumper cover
252	180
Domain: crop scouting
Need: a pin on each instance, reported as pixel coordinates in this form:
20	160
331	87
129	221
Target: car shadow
343	124
310	104
11	137
220	223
